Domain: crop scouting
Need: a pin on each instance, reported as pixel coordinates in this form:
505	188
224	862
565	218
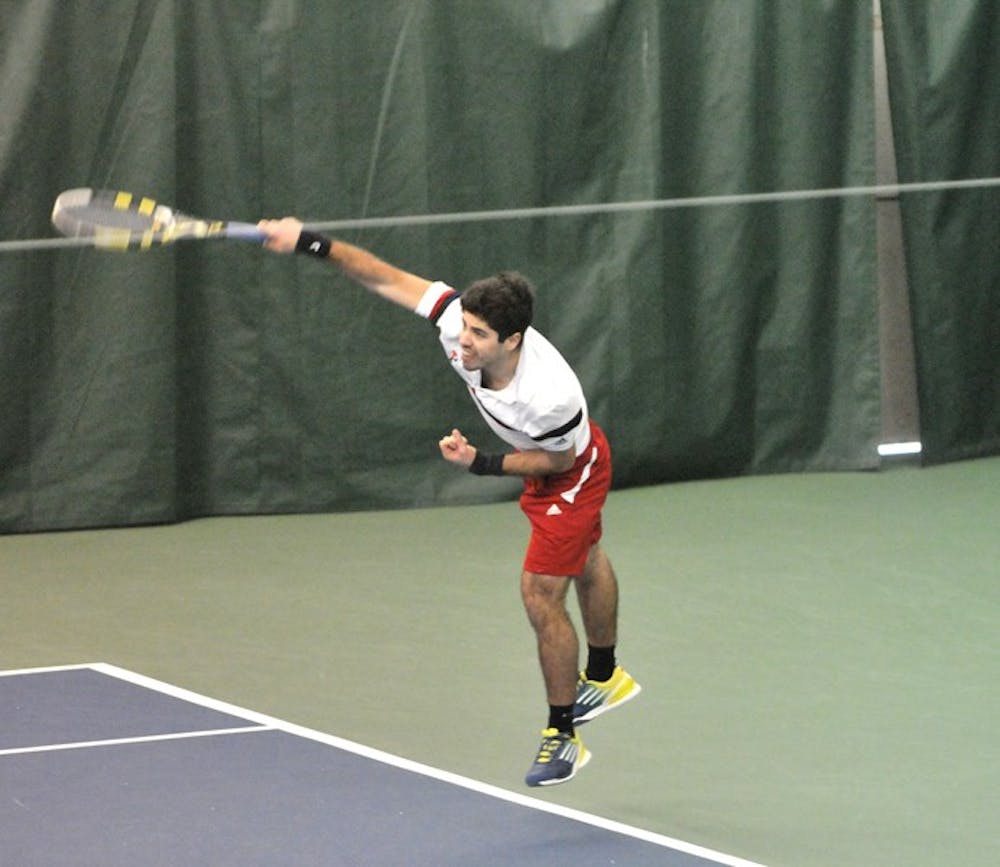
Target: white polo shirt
542	407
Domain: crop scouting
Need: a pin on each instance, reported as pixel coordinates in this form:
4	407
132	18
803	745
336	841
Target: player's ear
513	341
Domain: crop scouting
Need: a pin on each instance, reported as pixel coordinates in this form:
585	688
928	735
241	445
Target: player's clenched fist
455	448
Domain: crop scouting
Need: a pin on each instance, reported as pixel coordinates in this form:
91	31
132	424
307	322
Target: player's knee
544	596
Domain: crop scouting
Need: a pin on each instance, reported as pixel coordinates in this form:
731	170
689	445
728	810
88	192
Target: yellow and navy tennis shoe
594	697
559	757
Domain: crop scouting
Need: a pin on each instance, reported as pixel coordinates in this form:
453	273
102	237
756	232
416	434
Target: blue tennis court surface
99	766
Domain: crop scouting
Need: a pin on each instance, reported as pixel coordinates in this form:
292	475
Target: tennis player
532	400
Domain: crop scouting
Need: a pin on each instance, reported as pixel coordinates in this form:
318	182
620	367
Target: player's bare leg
604	684
597	593
561	753
544	598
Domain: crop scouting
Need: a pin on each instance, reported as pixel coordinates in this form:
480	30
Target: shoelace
549	746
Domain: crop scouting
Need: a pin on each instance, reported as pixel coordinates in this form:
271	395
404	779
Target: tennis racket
122	221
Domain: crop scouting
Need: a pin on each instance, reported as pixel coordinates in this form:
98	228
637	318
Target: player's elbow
562	461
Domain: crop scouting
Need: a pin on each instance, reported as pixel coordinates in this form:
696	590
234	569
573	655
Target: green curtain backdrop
944	80
215	378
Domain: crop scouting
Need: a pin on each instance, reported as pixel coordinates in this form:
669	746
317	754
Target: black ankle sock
600	662
561	717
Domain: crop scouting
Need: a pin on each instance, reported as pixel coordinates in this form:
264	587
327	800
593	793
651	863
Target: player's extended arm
392	283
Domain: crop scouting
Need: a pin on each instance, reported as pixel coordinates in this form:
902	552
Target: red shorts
565	511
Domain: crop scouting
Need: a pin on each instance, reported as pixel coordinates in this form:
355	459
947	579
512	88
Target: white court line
14	672
273	723
264	722
145	739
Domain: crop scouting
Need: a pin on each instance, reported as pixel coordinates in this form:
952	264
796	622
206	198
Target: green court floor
820	654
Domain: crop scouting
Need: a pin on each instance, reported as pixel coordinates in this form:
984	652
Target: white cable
881	191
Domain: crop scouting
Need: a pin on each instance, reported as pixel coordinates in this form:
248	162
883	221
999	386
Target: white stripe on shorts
570	495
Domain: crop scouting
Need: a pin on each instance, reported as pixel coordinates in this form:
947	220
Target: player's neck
498	376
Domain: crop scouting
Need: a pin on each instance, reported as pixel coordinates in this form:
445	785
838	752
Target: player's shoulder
436	300
545	361
548	383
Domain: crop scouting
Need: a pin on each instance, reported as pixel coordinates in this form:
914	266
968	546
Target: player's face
480	344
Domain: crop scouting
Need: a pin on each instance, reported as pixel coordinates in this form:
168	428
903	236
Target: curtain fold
944	83
218	379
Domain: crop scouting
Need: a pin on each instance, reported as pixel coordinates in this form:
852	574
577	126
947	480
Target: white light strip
894	449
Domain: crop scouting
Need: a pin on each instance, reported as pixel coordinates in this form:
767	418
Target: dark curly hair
504	301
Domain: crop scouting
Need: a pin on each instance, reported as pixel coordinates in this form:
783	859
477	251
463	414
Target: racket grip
245	232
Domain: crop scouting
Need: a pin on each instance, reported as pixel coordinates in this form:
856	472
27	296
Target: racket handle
244	232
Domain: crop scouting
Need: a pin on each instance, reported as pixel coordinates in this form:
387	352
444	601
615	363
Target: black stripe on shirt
441	305
557	432
561	431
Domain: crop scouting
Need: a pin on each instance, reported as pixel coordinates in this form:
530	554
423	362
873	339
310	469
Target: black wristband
312	244
486	465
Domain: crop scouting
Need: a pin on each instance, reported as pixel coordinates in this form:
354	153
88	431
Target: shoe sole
582	763
597	711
